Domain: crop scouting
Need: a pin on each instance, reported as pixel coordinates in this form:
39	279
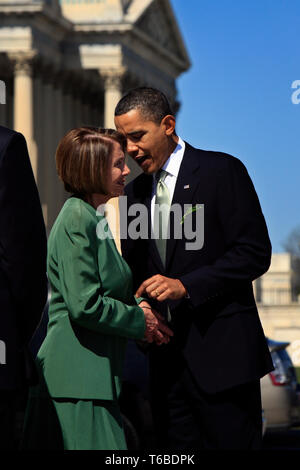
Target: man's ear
169	123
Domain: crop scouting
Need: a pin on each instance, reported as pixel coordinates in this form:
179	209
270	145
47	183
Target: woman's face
117	172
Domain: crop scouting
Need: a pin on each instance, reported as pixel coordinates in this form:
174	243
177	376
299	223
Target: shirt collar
173	163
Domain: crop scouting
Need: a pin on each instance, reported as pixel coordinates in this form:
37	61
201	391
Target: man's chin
148	171
147	168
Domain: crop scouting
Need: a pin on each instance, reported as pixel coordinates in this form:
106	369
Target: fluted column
112	80
68	112
23	101
74	109
98	109
50	141
39	130
87	114
59	117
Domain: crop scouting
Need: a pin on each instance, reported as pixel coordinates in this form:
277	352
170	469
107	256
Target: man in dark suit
23	280
206	381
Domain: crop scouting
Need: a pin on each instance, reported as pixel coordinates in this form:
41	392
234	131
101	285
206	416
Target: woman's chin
118	192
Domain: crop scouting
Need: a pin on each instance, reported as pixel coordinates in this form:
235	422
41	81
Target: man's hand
162	288
156	329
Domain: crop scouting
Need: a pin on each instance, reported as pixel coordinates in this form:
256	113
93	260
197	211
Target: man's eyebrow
142	131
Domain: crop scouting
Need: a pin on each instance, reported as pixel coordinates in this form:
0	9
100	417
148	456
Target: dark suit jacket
23	245
218	327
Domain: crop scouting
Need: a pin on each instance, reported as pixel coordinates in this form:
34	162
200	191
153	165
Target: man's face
147	142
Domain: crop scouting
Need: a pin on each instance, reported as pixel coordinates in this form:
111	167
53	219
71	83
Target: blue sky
236	97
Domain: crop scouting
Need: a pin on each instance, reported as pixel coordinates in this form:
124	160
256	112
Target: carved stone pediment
157	24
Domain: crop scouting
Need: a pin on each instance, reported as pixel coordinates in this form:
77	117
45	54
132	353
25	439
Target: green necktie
161	214
161	219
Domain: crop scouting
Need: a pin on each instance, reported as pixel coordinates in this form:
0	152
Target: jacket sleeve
248	249
23	242
81	285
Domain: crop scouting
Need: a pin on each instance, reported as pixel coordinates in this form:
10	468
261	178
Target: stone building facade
279	305
67	64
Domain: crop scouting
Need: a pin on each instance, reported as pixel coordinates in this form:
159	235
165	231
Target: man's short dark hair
152	104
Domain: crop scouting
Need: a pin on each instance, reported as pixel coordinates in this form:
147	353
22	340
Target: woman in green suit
92	309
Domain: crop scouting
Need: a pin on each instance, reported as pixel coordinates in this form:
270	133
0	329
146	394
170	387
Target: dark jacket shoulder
215	159
6	135
193	158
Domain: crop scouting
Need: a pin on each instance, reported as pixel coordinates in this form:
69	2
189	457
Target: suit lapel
186	184
146	189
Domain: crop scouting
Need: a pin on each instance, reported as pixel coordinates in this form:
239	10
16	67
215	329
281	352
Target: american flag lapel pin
186	186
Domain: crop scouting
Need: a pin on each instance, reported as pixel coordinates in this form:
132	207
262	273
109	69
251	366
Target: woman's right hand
156	329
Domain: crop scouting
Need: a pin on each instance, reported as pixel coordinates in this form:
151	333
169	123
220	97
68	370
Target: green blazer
92	308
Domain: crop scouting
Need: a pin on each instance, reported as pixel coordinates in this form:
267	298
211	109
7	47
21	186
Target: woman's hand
156	329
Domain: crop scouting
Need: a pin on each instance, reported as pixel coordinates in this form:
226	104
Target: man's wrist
186	295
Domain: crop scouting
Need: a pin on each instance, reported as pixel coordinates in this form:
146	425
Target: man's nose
131	147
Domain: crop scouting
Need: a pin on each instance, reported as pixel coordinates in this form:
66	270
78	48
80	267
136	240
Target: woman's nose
126	170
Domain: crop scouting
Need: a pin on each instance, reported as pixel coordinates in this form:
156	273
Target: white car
280	390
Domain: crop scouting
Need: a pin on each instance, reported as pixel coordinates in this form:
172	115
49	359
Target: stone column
23	101
74	109
67	121
39	127
67	90
50	144
87	114
77	101
112	79
98	108
59	117
68	111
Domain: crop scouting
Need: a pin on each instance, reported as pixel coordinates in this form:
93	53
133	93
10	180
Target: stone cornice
167	55
25	9
22	8
103	27
136	33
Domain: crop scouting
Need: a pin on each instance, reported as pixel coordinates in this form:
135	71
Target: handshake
156	329
160	288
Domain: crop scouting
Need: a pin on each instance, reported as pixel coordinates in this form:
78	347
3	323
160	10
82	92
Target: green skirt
67	424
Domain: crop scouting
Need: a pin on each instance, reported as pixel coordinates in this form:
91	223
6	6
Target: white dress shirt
172	166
